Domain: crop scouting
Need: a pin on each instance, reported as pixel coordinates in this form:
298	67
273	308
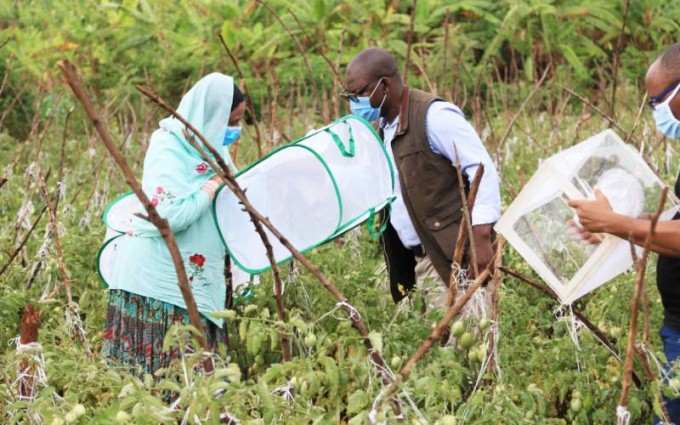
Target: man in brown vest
426	137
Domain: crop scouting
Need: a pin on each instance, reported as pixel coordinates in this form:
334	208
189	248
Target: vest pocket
442	220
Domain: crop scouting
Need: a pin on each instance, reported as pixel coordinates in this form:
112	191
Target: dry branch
506	134
249	105
161	223
494	287
612	121
315	91
640	266
617	57
464	230
409	39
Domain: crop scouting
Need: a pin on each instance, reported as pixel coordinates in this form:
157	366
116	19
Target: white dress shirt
445	125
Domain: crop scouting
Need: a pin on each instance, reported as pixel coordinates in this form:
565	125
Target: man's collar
403	112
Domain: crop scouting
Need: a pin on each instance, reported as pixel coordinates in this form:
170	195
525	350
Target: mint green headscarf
207	107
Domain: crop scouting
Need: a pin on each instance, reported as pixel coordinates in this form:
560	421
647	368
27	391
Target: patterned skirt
135	331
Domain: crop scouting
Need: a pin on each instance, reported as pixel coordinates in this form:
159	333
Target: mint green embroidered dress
145	299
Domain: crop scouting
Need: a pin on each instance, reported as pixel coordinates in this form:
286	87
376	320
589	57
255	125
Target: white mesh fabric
364	178
294	187
295	191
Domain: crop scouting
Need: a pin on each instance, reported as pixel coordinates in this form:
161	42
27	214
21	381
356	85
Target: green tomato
395	362
484	323
457	329
448	420
575	404
466	340
310	340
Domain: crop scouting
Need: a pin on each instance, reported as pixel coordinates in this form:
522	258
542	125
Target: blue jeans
671	348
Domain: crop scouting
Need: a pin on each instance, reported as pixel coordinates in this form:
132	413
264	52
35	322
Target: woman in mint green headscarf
145	299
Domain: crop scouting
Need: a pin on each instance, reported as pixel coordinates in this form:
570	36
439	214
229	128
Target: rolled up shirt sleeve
449	133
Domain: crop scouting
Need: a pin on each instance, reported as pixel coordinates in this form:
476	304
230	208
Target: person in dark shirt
596	216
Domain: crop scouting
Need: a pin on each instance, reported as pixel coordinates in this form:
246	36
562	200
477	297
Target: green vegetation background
487	56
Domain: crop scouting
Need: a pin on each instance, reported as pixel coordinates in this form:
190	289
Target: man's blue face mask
664	118
231	135
362	106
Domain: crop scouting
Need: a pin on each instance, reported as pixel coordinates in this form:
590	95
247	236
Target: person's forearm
666	235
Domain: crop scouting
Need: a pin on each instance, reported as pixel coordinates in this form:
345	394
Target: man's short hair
670	60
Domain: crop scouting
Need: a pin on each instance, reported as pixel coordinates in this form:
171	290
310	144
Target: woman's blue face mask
362	107
231	135
664	118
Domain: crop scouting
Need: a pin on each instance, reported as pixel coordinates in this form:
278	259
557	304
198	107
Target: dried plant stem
463	230
468	205
23	241
511	124
223	171
315	91
612	121
617	56
249	105
30	322
331	65
54	223
153	216
409	40
640	268
494	286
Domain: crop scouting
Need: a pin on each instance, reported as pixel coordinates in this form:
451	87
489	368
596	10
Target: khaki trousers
435	292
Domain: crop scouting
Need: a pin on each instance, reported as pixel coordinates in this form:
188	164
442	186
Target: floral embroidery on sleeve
202	168
196	263
161	195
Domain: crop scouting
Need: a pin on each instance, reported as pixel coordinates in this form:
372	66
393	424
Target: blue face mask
231	135
664	118
363	107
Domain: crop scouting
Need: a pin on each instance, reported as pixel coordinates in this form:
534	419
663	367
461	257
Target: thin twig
463	229
510	125
249	105
54	224
330	63
617	56
409	40
494	287
23	241
611	120
315	91
434	336
641	266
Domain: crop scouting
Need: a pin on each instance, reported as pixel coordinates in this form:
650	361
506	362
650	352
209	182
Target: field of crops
533	76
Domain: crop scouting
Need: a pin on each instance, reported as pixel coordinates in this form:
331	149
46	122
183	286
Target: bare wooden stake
28	334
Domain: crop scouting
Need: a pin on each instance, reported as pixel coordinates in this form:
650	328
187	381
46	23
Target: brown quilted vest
429	184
